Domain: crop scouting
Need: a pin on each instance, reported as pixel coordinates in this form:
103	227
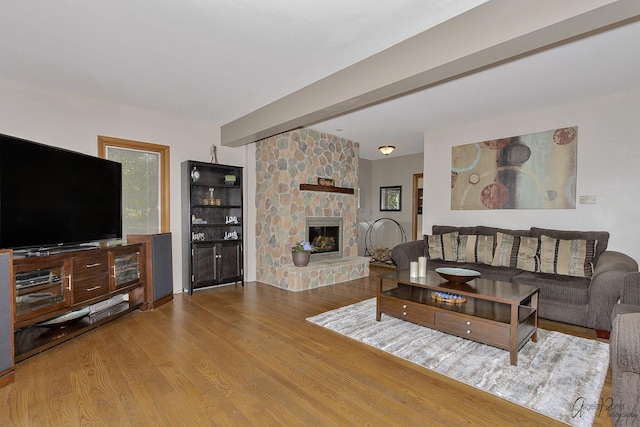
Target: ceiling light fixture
386	149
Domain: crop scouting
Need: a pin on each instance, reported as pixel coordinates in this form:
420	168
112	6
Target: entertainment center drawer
407	310
90	288
474	329
90	265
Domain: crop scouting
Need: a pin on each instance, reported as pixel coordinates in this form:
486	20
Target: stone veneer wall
283	162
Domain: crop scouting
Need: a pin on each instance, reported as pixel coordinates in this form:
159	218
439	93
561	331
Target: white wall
74	122
365	178
608	154
608	167
393	171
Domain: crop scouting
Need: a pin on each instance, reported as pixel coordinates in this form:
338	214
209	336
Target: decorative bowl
457	275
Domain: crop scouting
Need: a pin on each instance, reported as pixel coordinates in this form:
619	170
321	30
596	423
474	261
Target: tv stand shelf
102	284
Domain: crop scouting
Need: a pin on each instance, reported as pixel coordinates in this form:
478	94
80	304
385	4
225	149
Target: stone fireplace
325	234
283	163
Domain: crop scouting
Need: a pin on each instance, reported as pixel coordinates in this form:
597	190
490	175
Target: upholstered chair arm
631	289
614	261
624	353
605	292
404	253
607	287
625	343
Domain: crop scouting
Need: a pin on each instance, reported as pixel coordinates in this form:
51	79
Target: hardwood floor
245	356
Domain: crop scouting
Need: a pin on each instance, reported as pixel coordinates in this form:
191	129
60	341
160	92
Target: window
145	183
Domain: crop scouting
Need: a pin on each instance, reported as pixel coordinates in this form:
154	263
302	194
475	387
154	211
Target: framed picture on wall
391	198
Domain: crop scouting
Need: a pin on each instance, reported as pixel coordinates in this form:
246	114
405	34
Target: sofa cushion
442	246
493	231
486	271
475	248
445	229
432	264
567	257
569	289
601	236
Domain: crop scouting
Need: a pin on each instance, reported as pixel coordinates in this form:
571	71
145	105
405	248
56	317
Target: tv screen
52	197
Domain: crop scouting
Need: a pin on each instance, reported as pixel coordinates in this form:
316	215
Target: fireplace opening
325	234
324	239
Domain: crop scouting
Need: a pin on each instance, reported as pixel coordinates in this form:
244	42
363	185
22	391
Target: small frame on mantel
391	198
326	182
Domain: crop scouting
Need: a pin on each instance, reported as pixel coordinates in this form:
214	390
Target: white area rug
560	376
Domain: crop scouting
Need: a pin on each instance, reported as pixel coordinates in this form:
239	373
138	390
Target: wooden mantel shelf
326	188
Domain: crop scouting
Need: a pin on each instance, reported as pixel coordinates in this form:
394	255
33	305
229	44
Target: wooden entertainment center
62	295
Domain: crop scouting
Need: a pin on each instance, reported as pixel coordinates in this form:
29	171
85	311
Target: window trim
163	151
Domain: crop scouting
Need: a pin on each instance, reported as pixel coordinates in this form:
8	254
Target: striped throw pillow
516	252
506	250
475	248
567	257
442	246
528	250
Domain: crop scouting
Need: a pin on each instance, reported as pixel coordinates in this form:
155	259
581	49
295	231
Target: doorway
416	228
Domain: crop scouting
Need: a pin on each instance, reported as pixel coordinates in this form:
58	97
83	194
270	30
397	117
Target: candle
413	269
422	266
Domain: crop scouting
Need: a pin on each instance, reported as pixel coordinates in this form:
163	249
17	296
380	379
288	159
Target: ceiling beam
492	33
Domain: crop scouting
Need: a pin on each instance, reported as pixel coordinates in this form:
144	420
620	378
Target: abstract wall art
534	171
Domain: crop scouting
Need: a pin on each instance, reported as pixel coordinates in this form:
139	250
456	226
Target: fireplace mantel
326	188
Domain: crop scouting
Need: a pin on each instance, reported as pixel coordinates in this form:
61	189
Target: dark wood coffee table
501	314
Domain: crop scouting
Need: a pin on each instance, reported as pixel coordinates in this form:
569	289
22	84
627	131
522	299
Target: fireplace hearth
325	234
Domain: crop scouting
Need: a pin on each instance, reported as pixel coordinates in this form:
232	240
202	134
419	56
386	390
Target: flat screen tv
54	198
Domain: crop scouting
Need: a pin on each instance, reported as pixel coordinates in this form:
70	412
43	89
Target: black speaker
162	267
7	300
159	268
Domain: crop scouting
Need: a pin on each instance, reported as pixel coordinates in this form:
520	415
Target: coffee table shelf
490	310
497	313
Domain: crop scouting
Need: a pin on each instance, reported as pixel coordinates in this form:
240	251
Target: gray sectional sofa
582	292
